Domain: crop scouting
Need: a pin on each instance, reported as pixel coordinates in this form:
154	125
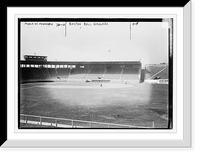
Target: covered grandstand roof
80	62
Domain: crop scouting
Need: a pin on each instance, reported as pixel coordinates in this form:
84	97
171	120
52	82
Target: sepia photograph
95	73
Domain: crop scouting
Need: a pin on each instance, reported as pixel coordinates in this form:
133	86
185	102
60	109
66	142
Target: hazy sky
79	41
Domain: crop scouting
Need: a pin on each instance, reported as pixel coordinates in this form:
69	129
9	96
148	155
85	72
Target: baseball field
137	104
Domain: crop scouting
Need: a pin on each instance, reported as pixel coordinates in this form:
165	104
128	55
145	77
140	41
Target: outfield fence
71	123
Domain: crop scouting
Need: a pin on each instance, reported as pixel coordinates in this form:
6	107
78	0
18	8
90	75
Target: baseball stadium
92	94
95	73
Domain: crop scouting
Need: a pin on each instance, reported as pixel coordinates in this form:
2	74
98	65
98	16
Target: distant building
35	58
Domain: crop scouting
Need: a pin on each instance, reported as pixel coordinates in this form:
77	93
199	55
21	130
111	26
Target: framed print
100	74
107	77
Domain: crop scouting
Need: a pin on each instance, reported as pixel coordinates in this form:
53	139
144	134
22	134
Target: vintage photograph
87	73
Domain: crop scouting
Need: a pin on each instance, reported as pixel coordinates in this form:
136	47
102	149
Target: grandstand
156	73
31	69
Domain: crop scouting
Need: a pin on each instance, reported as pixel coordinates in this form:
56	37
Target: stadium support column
142	75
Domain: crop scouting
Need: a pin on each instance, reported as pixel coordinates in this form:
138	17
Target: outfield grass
130	104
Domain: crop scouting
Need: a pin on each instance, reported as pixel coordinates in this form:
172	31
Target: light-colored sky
88	42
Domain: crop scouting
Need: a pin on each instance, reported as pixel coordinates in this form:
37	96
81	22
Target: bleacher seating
77	73
63	71
59	72
129	76
26	74
77	76
112	76
157	71
114	71
130	73
33	73
165	73
95	72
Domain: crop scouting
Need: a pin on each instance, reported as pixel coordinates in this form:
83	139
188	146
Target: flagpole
65	29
